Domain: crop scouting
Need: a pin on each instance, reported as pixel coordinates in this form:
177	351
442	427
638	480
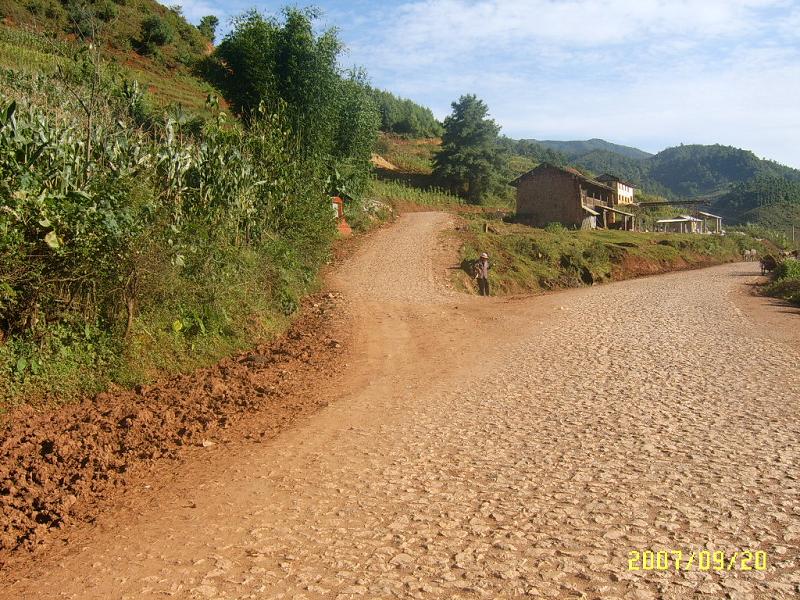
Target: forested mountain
696	170
771	200
532	150
741	186
741	183
575	149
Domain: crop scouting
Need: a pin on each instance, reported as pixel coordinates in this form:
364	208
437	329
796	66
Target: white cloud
445	29
749	102
646	72
653	72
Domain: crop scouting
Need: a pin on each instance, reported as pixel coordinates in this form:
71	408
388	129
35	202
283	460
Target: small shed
706	217
682	224
610	217
590	218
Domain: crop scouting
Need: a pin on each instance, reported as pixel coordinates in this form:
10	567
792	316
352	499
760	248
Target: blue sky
647	73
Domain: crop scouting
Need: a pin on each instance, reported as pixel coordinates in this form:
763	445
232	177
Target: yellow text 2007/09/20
703	560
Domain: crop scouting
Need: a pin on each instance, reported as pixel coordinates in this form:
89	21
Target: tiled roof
572	171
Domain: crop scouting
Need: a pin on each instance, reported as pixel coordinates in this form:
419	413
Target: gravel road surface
488	448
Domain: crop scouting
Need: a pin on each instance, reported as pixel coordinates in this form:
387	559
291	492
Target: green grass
397	193
527	260
787	281
787	289
29	52
408	155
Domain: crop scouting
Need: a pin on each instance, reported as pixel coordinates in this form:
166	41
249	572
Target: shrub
182	221
788	269
106	10
555	228
81	19
156	32
34	7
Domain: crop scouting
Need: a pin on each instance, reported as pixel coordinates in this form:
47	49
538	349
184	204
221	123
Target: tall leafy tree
287	67
283	66
470	160
358	121
208	27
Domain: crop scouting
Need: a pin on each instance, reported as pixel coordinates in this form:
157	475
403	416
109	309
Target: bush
156	32
81	19
555	228
106	11
159	249
788	269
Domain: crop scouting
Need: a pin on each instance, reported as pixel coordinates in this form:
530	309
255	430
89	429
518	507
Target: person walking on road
482	274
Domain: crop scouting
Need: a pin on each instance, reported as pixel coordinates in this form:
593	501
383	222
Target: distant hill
696	170
769	199
575	149
740	185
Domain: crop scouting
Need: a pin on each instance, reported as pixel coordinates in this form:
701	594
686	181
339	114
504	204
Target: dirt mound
65	466
381	163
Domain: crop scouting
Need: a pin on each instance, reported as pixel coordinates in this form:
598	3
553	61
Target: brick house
552	194
624	189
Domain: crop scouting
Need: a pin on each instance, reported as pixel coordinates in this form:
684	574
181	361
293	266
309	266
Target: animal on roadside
768	264
749	255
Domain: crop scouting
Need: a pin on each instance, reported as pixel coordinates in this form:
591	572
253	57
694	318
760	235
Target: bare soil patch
64	467
633	266
769	315
382	163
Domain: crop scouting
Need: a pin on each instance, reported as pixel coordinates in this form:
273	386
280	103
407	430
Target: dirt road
491	449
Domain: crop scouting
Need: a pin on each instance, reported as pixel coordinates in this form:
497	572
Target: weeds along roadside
143	243
786	282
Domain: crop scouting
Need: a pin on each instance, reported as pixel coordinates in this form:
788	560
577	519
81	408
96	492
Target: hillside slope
143	39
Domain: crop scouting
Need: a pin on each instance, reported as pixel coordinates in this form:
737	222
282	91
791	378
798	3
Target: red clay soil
64	467
633	266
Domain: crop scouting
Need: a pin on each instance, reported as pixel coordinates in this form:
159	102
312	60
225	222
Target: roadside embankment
786	284
66	466
527	259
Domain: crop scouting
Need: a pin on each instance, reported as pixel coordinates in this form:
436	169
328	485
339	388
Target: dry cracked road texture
494	449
